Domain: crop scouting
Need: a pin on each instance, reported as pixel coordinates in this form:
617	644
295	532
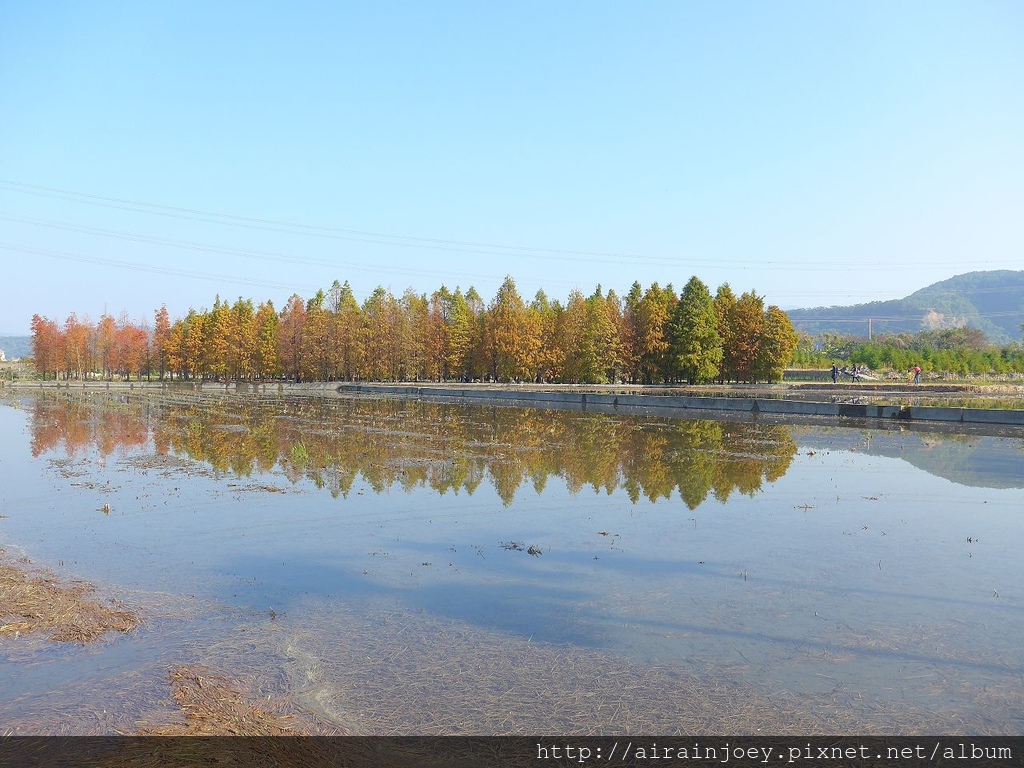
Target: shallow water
426	568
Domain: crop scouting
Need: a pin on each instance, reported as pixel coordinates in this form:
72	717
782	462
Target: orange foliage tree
442	336
47	346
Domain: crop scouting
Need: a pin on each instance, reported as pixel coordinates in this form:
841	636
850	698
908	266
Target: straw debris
215	705
37	601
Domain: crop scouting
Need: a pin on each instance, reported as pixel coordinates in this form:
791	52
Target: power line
409	241
297	289
152	269
245	252
170	271
248	253
897	318
452	246
279	225
377	266
884	318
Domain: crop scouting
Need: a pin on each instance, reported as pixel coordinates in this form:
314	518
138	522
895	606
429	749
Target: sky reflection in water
808	558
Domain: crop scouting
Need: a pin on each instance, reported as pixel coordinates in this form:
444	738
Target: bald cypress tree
512	336
725	302
747	324
778	343
695	346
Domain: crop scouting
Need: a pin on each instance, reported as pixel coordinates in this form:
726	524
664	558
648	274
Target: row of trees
649	336
79	348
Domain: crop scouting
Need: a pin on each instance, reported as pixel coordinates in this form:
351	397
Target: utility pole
869	329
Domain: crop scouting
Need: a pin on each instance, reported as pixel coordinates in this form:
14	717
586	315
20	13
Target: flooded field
390	567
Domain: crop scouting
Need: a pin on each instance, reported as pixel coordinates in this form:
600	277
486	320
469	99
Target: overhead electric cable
248	253
449	245
154	269
295	227
377	266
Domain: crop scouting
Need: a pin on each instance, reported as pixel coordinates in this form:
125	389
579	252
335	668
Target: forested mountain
16	346
992	302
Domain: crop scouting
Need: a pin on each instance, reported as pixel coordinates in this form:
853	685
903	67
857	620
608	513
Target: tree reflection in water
448	448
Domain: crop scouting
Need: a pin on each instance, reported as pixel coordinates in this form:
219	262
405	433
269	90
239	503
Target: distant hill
992	302
16	346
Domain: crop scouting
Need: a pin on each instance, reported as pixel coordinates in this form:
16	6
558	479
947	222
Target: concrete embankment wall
775	407
576	398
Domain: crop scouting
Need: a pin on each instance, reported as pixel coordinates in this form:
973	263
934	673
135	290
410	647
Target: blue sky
818	153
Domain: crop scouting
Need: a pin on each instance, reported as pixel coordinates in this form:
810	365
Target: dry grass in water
114	697
102	703
36	601
214	705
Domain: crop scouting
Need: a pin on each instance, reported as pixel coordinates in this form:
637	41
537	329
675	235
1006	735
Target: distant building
3	359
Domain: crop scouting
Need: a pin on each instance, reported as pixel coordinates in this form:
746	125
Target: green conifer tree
695	346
